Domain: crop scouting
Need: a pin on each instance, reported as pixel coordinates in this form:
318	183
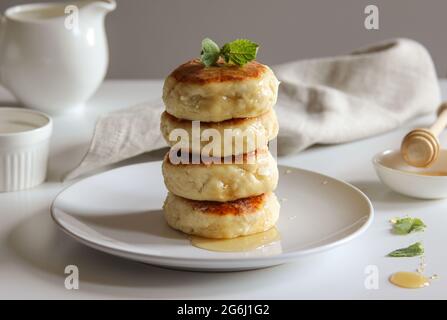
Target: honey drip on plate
240	244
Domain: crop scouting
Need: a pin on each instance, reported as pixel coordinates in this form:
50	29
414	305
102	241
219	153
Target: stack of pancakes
226	198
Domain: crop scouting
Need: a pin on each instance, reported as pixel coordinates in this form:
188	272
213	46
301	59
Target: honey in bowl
432	173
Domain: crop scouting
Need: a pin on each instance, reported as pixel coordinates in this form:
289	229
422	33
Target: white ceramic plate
119	212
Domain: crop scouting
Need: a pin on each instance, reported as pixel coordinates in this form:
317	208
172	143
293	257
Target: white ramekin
24	146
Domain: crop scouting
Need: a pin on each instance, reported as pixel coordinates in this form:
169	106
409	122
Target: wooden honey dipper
420	147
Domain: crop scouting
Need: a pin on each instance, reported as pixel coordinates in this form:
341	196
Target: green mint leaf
407	225
239	51
414	250
210	52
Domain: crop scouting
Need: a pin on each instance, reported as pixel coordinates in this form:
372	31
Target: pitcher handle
2	33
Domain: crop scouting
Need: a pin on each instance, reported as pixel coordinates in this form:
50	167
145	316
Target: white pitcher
53	56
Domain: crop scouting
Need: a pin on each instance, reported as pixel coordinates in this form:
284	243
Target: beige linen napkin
340	99
326	101
122	135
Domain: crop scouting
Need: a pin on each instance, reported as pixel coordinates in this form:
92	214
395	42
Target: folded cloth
121	135
340	99
325	101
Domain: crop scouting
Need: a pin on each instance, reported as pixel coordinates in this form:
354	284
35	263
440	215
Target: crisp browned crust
236	207
208	161
195	71
233	121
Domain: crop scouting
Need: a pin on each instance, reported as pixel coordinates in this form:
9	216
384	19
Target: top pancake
196	72
217	93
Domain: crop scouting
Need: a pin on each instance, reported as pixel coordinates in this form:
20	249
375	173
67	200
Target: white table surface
34	253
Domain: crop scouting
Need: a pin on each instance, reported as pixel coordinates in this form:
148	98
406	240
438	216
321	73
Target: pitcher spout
104	5
108	5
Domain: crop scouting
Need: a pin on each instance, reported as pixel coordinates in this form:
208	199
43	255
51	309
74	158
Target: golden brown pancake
216	180
222	220
257	131
218	93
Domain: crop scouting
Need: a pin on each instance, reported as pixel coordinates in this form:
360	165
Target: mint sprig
407	225
238	52
414	250
210	52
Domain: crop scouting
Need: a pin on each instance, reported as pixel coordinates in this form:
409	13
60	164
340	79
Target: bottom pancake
222	220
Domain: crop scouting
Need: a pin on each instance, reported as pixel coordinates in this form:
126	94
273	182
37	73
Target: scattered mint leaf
240	51
407	225
414	250
210	52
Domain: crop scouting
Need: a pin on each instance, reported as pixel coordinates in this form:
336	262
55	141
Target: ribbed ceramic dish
24	145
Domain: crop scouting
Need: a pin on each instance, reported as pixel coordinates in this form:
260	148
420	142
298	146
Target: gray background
150	37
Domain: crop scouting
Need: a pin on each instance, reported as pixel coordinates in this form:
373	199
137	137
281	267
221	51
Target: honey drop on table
411	280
